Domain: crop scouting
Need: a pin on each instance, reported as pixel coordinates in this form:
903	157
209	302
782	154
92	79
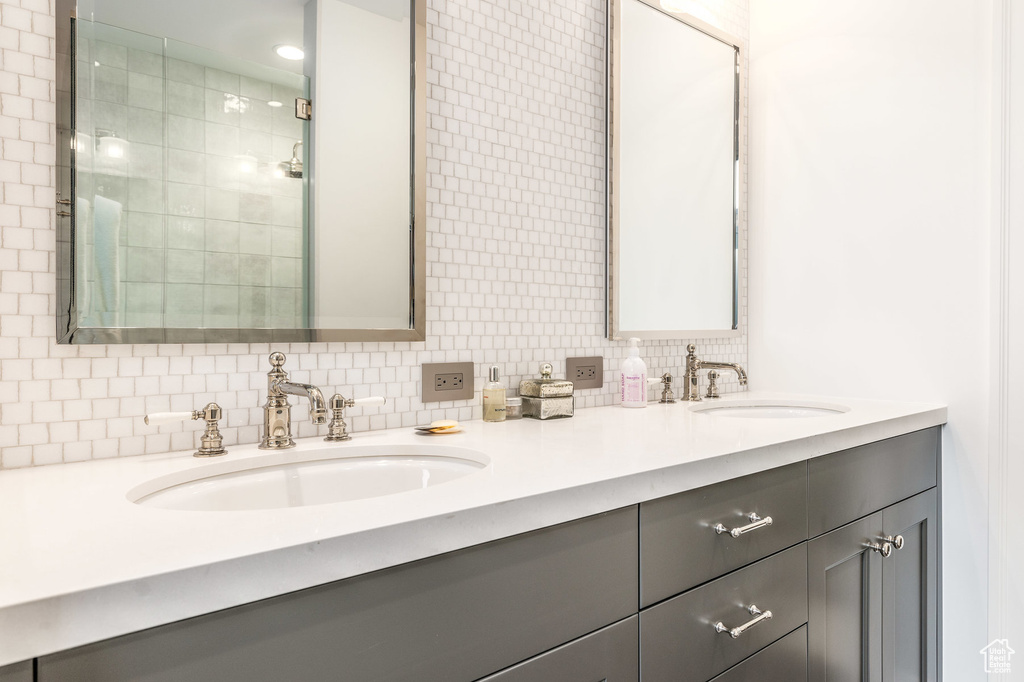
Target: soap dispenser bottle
494	398
633	378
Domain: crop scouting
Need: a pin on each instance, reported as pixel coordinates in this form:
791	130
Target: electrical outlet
451	381
585	372
447	381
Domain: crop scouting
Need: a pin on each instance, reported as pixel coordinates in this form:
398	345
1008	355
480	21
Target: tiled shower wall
515	273
207	229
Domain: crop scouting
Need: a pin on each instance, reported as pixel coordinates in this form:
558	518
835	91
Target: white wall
1007	466
870	211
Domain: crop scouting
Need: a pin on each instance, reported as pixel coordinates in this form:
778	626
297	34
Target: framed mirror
241	171
673	174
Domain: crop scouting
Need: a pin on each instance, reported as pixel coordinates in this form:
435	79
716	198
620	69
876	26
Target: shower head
293	167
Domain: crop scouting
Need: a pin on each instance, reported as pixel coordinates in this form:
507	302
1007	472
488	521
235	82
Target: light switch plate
447	381
585	372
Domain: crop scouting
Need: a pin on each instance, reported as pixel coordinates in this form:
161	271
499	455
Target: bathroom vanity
575	555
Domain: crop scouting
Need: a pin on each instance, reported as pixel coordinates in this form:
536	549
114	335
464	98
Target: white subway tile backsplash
515	272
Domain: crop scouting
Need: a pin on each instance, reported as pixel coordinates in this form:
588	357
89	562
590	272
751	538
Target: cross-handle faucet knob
211	443
337	430
665	381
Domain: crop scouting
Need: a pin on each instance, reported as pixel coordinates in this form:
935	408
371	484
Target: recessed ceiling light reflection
289	52
691	7
274	103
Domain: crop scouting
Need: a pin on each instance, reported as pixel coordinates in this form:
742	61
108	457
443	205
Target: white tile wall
515	246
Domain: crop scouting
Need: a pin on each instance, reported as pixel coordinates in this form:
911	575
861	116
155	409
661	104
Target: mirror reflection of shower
293	167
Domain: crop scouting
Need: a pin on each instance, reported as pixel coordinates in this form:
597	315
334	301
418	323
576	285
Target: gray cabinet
18	672
678	638
457	616
872	618
844	604
910	592
608	655
679	547
622	596
783	661
851	484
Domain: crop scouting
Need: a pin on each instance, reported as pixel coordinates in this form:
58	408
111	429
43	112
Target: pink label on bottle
633	388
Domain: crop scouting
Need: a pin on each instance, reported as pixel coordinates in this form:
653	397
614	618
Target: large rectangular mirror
241	170
673	181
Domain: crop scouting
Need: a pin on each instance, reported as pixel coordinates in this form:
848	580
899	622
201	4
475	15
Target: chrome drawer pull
737	631
755	523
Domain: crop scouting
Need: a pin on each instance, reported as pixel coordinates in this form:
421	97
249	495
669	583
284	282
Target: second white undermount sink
768	409
311	477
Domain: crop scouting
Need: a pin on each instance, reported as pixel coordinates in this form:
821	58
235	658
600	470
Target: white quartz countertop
81	563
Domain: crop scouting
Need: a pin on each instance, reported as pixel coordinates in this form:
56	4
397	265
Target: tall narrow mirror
673	175
244	170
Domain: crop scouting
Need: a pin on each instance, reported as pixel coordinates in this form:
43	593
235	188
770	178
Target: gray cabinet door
909	592
17	672
608	655
844	604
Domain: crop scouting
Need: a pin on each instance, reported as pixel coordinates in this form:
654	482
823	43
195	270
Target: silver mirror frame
612	231
67	331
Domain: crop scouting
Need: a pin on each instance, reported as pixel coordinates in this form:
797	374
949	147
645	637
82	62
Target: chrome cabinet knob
896	541
883	548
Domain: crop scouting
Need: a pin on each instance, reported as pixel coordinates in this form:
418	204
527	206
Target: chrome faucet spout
704	364
317	405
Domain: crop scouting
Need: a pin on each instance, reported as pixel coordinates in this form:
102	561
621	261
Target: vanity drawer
784	661
609	655
679	547
851	484
457	616
17	672
678	640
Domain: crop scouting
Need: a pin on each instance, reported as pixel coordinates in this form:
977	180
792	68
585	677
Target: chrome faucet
691	387
277	420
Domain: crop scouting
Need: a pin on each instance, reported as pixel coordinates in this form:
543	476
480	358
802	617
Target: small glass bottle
494	398
513	407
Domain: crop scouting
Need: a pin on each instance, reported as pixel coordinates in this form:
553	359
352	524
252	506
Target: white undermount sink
308	477
768	409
